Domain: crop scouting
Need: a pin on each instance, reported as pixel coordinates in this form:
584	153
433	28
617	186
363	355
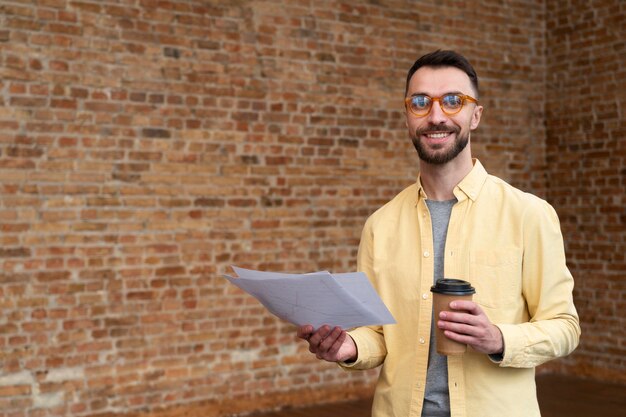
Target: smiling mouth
437	135
436	132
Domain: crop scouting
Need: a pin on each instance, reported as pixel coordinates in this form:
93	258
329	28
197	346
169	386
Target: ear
478	111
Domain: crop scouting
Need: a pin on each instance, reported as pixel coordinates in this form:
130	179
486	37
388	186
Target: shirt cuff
369	354
514	342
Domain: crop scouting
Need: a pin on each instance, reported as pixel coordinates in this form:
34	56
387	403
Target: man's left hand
468	324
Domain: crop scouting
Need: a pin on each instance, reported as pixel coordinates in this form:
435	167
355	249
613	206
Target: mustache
436	128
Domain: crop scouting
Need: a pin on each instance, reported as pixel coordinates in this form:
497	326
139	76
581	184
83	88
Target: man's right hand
333	345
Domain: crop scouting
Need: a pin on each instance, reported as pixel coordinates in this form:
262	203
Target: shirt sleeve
370	340
547	284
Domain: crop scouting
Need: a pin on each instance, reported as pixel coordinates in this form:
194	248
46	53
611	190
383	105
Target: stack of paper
344	300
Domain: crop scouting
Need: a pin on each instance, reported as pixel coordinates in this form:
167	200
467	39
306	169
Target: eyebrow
444	94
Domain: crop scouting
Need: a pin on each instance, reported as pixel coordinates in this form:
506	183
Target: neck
439	180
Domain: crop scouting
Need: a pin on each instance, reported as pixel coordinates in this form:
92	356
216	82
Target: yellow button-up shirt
509	246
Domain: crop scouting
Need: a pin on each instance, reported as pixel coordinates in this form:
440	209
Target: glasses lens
452	102
420	104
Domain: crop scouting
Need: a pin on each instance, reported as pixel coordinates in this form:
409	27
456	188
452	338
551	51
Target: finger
331	353
464	305
326	342
461	338
478	340
318	336
304	332
459	328
334	349
457	317
330	339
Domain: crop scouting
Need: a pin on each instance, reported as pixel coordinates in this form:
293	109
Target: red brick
52	276
14	252
15	390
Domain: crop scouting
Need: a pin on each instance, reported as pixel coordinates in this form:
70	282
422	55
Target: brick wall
146	146
586	157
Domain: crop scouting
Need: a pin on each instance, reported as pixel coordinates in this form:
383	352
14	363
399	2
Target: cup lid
452	286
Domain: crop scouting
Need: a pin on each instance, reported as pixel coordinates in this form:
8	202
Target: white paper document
345	300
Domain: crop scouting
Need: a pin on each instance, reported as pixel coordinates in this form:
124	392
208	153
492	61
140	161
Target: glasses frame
464	99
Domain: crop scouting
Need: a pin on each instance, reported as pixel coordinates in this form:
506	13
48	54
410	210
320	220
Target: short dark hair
440	59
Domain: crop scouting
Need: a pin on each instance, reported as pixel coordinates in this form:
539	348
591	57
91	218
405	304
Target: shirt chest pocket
497	277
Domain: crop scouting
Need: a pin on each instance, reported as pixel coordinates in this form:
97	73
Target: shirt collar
473	182
469	187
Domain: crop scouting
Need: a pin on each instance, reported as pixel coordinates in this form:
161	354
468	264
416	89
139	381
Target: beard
439	158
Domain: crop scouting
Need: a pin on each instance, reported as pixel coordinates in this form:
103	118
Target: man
459	222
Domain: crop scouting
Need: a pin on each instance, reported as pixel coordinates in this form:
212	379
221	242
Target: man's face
438	137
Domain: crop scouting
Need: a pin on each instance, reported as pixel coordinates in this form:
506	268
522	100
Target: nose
436	115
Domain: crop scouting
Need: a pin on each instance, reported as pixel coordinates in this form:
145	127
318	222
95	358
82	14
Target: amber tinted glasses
421	104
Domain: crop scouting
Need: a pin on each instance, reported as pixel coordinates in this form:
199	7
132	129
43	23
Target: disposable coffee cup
444	292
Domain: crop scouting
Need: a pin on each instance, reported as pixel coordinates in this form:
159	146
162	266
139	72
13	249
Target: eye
420	102
452	101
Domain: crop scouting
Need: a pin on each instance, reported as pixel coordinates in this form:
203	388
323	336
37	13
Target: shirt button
426	254
422	341
425	296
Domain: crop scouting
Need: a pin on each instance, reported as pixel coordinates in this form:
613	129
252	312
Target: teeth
437	135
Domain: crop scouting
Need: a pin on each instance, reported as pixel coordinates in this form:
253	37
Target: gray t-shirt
436	396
